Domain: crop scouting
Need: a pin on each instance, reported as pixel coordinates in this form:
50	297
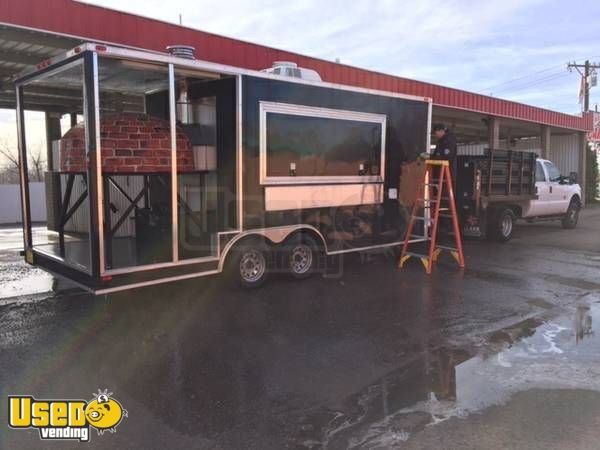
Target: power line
524	77
520	78
533	83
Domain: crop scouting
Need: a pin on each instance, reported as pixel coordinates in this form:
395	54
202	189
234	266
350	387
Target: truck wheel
250	264
301	255
502	225
571	217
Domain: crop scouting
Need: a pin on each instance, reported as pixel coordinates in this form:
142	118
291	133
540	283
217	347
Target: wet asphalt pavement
502	355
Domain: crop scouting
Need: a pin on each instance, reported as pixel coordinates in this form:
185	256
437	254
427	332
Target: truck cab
555	194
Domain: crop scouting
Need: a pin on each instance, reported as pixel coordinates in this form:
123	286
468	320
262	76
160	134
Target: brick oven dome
130	143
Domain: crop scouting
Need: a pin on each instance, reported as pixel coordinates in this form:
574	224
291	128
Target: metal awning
22	49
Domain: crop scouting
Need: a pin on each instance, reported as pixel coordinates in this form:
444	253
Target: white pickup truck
558	196
521	186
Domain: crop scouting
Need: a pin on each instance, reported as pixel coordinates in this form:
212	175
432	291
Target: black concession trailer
162	168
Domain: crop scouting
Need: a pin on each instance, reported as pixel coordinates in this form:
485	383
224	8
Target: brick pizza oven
130	143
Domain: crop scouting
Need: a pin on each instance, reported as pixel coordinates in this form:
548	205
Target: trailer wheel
571	217
250	264
301	254
502	225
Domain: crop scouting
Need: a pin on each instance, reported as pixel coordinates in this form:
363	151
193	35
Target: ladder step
449	233
424	204
445	247
426	200
416	255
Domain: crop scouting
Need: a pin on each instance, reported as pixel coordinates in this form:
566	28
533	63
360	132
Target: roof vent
284	64
182	51
291	69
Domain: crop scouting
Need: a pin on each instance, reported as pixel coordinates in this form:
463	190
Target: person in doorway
446	144
445	149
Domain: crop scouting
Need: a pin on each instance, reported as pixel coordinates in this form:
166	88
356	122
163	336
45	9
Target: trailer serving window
302	144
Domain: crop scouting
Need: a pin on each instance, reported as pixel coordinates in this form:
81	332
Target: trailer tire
502	225
301	255
250	264
571	217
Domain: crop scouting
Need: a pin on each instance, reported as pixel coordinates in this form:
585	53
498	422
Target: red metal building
30	33
88	22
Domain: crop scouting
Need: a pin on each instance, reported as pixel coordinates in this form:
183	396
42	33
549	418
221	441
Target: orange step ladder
425	202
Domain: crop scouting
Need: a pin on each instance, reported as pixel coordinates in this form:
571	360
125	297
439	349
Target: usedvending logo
66	419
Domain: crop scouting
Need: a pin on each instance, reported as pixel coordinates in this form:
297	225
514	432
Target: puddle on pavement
553	353
16	277
19	279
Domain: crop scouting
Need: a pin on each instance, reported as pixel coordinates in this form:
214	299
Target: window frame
541	168
267	107
88	103
549	165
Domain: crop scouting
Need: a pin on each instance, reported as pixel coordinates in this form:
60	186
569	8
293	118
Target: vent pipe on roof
182	51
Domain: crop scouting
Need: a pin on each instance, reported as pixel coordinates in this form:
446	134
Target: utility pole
588	70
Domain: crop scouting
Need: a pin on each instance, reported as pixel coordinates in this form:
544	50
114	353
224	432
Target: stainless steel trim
22	178
426	193
291	228
358	179
240	155
153	282
265	233
99	184
326	113
372	247
428	131
294	197
50	73
174	180
182	262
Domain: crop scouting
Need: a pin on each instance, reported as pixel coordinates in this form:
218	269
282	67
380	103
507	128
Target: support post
546	137
494	133
51	176
582	166
94	181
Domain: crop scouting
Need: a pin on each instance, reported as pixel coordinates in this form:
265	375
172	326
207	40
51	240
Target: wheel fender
275	235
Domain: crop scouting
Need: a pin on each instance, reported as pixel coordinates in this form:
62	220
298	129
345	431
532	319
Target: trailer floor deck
502	355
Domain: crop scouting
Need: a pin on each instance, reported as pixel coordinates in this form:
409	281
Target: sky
514	49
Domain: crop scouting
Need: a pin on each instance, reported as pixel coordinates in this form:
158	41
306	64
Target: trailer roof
29	32
206	67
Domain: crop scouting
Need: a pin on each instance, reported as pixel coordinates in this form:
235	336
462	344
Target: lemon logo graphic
104	413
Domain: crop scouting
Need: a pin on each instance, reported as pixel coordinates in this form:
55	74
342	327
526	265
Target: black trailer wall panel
406	138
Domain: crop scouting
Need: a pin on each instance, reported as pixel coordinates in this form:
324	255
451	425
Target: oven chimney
182	51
